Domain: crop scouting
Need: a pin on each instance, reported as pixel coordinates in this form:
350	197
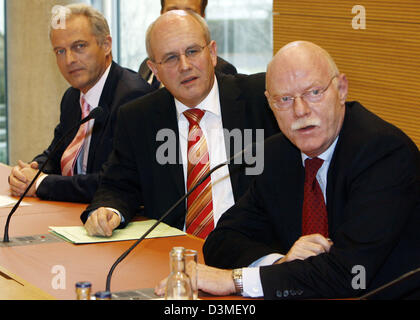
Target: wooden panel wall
382	61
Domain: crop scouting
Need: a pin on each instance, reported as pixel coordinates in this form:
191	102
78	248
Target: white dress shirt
212	127
251	275
92	97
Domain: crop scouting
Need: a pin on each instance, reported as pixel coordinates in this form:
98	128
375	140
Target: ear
107	45
213	52
152	66
343	86
267	95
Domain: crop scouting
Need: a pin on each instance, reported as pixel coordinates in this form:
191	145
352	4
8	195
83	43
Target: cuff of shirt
39	180
251	275
252	283
267	260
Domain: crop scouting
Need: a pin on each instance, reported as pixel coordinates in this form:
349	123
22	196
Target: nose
70	57
300	107
184	63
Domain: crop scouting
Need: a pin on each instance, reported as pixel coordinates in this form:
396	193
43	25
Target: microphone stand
389	284
127	252
94	114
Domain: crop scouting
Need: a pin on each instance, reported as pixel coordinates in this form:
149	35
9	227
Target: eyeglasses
171	60
311	96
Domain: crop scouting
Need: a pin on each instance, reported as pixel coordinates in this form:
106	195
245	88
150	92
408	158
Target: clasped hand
20	178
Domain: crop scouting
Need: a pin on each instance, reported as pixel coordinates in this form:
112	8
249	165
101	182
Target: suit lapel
166	118
233	117
106	103
340	164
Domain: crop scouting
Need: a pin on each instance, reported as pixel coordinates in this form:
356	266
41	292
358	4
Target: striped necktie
69	158
199	220
314	215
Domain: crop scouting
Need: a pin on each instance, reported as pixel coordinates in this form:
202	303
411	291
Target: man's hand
215	281
102	222
307	246
21	176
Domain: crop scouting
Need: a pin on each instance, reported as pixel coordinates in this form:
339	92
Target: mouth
306	129
189	80
75	71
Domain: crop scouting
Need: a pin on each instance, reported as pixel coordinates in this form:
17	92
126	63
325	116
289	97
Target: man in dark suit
150	164
198	6
84	57
339	230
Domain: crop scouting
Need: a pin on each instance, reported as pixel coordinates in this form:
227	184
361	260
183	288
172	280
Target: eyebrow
72	44
175	52
314	84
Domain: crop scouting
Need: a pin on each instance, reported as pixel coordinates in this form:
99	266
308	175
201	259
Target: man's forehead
294	79
76	27
176	29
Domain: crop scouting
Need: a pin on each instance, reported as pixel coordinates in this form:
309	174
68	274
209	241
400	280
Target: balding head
298	54
172	19
182	56
307	95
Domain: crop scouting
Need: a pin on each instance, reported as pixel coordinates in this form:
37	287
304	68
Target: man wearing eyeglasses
198	6
198	106
336	212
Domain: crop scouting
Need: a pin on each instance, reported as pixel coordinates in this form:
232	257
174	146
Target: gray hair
194	15
100	27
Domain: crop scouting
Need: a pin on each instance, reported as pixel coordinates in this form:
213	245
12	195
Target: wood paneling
382	62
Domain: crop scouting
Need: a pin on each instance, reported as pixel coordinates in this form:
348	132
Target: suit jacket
373	205
121	86
222	66
135	178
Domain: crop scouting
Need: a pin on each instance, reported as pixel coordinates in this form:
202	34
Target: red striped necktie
69	158
314	215
199	220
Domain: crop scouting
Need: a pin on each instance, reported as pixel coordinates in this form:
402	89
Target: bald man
348	228
183	57
199	7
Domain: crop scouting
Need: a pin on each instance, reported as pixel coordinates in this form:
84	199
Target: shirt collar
326	155
93	96
210	103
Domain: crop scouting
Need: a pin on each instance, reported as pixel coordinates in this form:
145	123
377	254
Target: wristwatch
237	280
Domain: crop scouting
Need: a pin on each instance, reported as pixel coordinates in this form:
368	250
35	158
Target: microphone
389	284
127	252
96	113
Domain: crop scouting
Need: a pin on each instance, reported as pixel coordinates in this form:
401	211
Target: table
51	270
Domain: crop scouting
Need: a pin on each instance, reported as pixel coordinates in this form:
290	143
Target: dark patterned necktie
314	213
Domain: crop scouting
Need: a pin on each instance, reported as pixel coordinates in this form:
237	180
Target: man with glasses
198	6
336	212
190	116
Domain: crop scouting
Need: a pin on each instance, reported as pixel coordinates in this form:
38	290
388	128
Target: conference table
50	270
